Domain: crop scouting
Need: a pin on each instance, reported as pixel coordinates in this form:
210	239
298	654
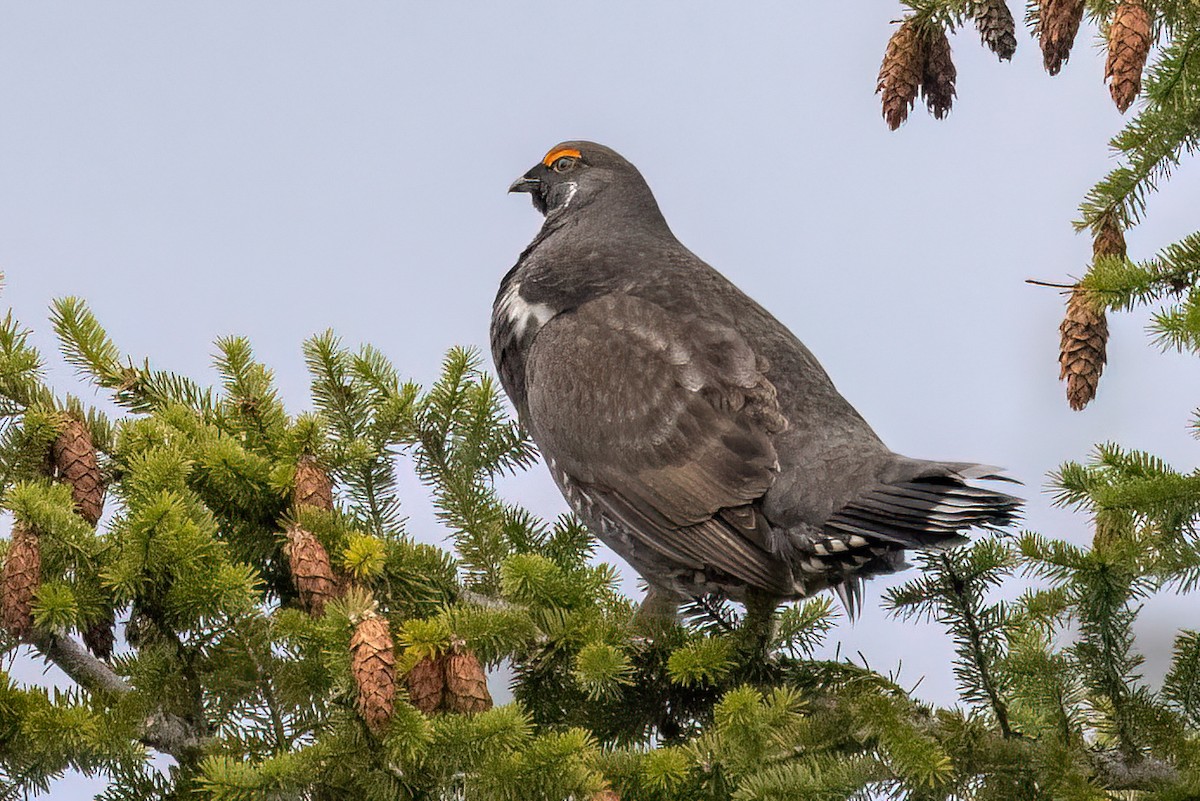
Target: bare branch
163	732
73	659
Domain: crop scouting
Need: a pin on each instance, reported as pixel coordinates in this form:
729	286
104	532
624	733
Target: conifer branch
1153	142
84	669
1182	684
486	601
1120	772
951	590
1121	284
979	656
20	370
267	687
162	731
87	347
349	394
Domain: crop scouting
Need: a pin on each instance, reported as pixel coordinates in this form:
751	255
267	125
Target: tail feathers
929	505
927	512
850	593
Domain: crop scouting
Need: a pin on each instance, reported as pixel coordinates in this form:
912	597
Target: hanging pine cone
374	666
312	485
466	681
22	577
74	458
900	75
311	573
938	74
1128	46
996	28
1082	353
426	683
1109	240
99	637
1058	23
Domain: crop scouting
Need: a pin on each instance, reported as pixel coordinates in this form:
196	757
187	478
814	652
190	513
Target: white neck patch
572	188
525	318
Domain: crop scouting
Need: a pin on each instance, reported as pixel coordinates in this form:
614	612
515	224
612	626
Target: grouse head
577	174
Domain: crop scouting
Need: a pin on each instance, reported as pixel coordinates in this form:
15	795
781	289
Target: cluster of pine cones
72	460
459	686
372	654
450	682
917	59
917	63
372	651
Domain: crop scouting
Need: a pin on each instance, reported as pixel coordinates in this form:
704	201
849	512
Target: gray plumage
689	428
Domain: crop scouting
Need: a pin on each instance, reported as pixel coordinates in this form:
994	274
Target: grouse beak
525	184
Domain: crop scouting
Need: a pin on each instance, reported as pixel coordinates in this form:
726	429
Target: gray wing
667	423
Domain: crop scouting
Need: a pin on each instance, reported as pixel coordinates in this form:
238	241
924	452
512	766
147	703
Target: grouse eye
563	164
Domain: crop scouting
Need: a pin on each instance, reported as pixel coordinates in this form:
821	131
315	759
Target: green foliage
704	660
1152	144
952	590
600	668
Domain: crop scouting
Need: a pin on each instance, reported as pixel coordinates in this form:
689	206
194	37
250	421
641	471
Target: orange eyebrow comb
558	152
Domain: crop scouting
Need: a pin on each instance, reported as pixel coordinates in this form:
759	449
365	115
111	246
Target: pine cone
1109	240
607	794
425	683
99	637
997	30
900	75
938	74
74	458
312	486
22	577
1058	23
1128	46
311	573
1082	354
466	681
374	667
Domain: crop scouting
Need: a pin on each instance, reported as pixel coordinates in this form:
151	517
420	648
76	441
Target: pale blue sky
273	169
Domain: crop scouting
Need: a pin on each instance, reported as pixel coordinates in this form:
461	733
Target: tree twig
1119	772
1050	284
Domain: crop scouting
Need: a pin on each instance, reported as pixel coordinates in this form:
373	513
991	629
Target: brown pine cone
466	681
607	794
74	458
311	572
1109	240
99	637
900	75
1082	353
1058	23
938	74
22	577
1128	46
374	666
312	485
426	682
997	30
